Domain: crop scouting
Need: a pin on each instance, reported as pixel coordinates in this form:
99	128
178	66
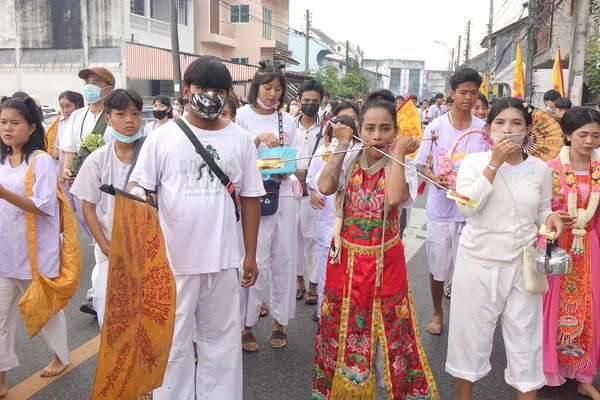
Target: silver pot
553	261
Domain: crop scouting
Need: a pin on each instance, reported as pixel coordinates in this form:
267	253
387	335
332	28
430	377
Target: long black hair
29	110
266	74
73	97
510	102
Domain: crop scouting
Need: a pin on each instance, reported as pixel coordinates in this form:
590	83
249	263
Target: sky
401	29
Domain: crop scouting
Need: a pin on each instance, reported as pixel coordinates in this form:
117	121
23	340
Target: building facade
399	76
44	43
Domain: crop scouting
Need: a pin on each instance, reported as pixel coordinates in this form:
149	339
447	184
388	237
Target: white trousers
323	257
216	329
441	247
99	284
480	297
307	245
275	255
54	332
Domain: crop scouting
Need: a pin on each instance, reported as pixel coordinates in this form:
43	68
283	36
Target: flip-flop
248	338
264	310
278	335
300	294
312	298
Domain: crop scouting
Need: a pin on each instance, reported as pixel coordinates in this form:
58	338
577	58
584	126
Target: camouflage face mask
207	105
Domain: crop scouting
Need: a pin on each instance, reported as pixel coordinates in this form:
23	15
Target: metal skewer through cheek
406	166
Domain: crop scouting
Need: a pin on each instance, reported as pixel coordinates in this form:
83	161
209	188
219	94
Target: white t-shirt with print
196	212
80	124
102	167
256	124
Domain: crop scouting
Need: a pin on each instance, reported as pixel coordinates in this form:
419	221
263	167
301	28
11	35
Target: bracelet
492	168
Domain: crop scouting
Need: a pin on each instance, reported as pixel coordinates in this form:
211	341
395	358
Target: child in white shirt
109	165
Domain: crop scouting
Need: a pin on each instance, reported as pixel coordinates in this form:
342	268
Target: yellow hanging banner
140	305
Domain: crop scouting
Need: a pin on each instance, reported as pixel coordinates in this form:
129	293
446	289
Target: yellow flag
140	305
484	85
557	74
409	122
518	89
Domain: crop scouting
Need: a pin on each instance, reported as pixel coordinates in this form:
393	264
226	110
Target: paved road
270	374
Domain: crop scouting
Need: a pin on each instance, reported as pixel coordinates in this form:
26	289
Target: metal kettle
553	261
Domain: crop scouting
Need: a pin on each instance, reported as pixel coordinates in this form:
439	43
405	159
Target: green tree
592	65
353	85
328	77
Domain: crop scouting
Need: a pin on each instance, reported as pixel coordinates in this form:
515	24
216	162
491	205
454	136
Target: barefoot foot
435	326
588	390
54	368
3	390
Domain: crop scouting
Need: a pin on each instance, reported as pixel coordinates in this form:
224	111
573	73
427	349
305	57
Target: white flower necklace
583	216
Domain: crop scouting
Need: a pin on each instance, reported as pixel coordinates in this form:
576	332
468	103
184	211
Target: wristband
492	168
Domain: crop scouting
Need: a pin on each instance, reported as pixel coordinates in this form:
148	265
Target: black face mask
310	110
159	114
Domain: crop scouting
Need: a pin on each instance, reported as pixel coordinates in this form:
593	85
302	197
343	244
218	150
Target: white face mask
516	138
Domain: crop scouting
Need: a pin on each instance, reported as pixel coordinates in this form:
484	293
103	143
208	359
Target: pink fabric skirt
555	374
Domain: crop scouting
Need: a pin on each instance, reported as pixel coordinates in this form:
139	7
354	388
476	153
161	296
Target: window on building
240	60
182	12
414	81
239	13
395	80
267	23
136	7
159	9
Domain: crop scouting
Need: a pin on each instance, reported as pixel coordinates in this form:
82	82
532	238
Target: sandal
279	336
300	294
249	339
312	298
448	289
264	310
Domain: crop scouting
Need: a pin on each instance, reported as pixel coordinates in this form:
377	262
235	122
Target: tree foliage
592	65
352	85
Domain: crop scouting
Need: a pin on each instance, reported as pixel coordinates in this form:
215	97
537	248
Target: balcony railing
149	25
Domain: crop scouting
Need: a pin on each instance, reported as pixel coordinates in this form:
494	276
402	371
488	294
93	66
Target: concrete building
44	43
434	82
399	76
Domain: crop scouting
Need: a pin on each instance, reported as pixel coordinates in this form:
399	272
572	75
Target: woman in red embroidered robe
368	332
572	305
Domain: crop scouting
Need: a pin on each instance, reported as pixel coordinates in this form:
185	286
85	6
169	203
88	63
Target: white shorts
441	246
480	297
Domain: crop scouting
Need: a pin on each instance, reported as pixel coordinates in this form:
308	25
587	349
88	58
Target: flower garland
583	216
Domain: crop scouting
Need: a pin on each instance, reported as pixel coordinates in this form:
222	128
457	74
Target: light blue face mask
125	139
91	93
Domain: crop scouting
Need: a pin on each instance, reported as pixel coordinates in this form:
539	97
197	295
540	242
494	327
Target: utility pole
468	43
175	48
530	52
452	62
577	57
490	56
306	44
347	56
458	53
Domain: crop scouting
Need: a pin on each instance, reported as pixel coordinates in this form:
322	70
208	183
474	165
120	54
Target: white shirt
196	212
14	252
496	230
307	139
80	124
102	167
256	124
435	112
326	216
